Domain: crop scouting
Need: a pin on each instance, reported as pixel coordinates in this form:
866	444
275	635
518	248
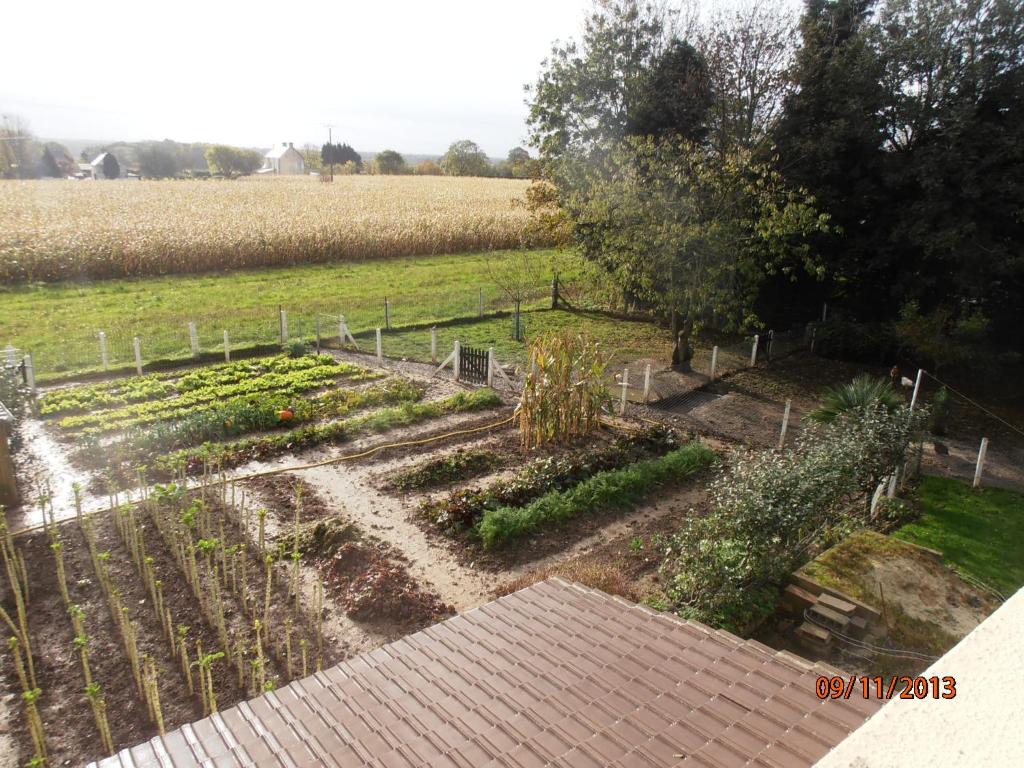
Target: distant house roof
279	151
99	159
553	674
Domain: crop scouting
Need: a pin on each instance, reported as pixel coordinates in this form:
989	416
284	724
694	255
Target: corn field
71	230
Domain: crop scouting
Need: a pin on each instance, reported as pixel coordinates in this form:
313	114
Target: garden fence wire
186	336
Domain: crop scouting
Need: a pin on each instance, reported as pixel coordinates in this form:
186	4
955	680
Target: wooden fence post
785	424
753	351
490	366
980	466
193	338
104	356
714	361
433	345
380	349
227	347
647	383
457	358
30	375
137	347
8	486
625	389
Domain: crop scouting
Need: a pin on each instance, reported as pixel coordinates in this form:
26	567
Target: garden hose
326	462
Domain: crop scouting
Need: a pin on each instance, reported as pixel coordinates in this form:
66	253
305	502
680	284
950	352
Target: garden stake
99	713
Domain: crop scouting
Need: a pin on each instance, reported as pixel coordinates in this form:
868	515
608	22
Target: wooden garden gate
473	365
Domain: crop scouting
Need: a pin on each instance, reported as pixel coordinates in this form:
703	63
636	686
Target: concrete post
785	424
284	327
193	337
753	351
714	361
647	383
227	347
457	359
137	347
490	366
433	345
104	356
380	349
30	375
8	486
980	466
625	390
10	355
917	388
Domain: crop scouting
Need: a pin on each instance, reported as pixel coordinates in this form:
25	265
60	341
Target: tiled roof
554	674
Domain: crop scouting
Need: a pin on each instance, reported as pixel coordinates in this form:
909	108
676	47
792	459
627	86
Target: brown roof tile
553	674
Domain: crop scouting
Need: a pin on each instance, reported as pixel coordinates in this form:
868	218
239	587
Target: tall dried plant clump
564	391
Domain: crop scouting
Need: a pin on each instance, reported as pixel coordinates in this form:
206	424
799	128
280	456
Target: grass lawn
979	531
57	323
626	340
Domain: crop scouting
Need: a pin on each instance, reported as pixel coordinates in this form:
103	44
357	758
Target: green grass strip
980	531
617	488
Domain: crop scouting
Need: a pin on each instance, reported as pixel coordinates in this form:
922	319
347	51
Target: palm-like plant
863	392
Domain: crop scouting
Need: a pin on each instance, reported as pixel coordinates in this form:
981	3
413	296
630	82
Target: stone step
837	604
829	617
814	634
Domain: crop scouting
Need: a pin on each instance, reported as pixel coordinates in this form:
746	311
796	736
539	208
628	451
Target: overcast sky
412	75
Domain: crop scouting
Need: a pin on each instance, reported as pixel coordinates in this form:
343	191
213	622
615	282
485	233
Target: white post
891	492
10	355
30	375
227	347
753	351
490	366
481	303
876	497
981	462
917	388
457	358
193	337
137	346
380	349
284	327
647	383
785	424
625	389
433	345
714	361
104	357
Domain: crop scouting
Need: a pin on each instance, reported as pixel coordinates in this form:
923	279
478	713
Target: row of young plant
445	470
121	392
604	491
100	421
462	510
227	455
769	508
19	643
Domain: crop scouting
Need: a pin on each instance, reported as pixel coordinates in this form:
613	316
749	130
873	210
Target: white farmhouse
284	160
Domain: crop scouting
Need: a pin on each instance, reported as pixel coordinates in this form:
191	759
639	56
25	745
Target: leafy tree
748	51
675	96
389	162
339	154
689	233
158	160
312	156
111	168
518	165
232	161
18	153
465	158
48	165
428	168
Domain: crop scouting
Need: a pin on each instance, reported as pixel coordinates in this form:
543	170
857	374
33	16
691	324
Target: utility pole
330	151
